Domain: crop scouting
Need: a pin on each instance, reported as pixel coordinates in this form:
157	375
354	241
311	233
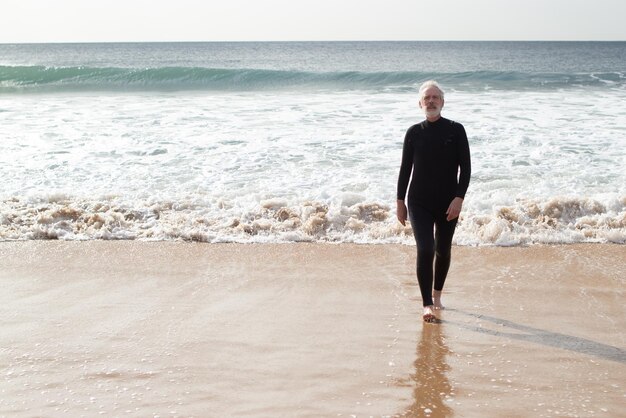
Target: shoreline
309	329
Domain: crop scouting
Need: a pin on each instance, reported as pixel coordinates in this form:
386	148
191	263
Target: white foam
305	166
560	220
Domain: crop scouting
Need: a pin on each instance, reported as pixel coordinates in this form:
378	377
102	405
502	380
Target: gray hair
428	84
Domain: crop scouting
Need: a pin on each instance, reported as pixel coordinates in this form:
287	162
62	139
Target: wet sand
308	330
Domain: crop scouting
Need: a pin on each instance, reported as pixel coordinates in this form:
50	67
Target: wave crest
16	79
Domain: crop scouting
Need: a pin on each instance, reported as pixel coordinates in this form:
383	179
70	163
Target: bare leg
437	299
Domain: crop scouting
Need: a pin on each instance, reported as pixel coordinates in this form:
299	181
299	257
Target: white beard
432	113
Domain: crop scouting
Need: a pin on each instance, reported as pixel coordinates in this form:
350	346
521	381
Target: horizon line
307	41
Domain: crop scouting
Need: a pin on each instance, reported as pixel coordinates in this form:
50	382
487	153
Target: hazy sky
278	20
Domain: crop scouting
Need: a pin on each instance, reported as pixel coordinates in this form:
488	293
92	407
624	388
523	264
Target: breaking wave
557	220
16	79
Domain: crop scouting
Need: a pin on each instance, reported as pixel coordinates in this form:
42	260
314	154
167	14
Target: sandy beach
166	329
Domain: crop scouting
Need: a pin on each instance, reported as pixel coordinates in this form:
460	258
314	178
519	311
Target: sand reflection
432	386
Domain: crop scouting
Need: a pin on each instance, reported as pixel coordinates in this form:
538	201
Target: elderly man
436	152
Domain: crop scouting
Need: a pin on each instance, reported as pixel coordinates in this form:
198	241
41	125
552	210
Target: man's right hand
401	212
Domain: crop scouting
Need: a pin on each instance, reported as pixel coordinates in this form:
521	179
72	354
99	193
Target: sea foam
559	220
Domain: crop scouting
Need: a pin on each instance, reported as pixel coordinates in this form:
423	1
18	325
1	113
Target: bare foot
429	315
437	299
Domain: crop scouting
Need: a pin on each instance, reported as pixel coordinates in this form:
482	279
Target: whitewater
290	142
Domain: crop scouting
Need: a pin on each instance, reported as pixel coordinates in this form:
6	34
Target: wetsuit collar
434	124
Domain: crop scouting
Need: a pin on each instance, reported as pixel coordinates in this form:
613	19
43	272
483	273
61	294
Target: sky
309	20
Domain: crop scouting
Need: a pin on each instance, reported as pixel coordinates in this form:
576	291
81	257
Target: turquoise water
279	65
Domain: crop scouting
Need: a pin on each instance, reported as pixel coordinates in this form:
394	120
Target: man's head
431	99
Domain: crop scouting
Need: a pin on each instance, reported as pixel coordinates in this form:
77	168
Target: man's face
431	102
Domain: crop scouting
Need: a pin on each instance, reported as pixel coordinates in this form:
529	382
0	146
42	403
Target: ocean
301	141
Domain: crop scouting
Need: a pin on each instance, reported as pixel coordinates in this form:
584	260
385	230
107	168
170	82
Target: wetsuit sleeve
406	166
465	164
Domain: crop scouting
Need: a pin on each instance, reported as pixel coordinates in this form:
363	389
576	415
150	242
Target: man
436	152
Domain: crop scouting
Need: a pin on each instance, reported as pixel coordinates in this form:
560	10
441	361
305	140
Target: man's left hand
454	209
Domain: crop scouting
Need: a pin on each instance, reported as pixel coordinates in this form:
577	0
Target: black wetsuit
434	152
